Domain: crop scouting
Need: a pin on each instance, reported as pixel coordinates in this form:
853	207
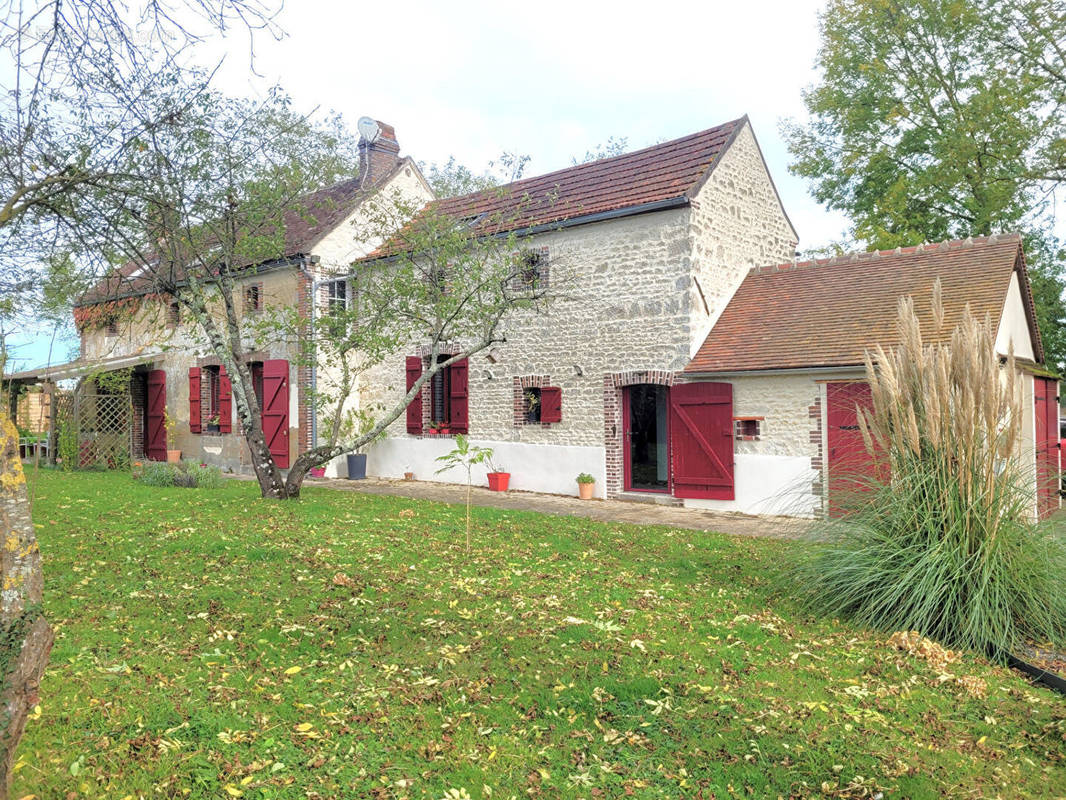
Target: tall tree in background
69	73
936	119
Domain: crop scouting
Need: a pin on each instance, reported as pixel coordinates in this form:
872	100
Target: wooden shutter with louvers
414	408
155	433
276	410
701	440
194	400
458	397
225	402
551	404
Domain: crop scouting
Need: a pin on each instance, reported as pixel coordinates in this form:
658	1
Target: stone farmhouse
695	361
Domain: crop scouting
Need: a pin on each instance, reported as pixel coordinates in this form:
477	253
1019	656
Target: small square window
531	270
252	298
111	329
747	428
173	315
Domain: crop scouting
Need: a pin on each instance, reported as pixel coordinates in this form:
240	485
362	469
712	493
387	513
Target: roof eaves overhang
294	260
819	369
547	227
78	369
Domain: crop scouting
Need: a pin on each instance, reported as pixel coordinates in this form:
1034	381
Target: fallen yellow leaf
292	670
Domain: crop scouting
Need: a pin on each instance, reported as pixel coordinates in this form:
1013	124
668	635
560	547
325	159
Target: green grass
559	658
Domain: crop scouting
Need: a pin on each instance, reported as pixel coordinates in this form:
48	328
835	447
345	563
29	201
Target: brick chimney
378	150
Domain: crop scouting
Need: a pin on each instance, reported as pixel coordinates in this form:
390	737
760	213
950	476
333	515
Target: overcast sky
550	80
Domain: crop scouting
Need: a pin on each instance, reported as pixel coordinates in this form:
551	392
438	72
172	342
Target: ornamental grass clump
942	539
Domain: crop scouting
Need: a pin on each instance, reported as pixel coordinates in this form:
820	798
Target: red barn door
1045	391
155	431
851	467
276	410
701	440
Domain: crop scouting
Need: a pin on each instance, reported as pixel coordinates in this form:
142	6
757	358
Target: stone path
603	510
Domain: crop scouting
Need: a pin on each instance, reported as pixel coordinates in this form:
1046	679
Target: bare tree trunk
27	636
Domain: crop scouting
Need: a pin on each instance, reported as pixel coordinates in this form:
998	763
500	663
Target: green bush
943	541
186	474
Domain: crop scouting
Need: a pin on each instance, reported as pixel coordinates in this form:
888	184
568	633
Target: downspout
310	261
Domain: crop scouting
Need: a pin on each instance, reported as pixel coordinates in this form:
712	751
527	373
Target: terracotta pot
498	481
173	456
408	476
586	490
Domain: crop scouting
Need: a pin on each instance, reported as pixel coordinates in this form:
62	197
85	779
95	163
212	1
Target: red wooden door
1045	391
155	431
852	470
701	440
276	410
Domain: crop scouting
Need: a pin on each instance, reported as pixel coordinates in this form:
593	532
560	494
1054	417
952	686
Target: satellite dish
368	129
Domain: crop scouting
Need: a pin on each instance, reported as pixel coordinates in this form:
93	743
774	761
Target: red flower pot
498	481
318	472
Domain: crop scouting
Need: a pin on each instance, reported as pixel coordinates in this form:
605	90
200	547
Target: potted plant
438	427
498	477
586	485
318	472
213	424
173	454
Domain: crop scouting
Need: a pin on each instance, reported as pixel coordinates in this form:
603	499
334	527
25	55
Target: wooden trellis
93	429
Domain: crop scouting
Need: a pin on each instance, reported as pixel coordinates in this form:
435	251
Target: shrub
186	474
156	473
943	541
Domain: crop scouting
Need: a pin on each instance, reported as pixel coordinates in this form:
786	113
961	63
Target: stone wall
737	223
624	306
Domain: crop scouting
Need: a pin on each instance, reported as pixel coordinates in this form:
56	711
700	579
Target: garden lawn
213	644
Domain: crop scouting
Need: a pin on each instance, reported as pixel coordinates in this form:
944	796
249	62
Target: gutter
785	370
304	263
294	260
573	222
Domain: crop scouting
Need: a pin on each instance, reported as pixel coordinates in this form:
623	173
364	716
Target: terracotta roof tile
312	216
665	171
829	312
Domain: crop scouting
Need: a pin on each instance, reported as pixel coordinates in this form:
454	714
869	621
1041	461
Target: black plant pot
356	466
212	428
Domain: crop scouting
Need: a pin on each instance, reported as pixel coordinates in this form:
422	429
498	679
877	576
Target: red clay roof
667	171
309	220
828	312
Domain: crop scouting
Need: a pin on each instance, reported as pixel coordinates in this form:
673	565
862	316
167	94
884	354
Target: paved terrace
636	513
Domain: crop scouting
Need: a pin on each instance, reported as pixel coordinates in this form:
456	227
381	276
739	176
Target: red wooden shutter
414	408
276	410
458	396
225	402
155	439
701	440
551	404
194	399
1047	445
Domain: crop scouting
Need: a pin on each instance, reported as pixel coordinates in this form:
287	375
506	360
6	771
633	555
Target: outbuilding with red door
791	343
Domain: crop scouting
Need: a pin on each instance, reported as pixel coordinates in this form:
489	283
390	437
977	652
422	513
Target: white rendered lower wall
771	485
551	469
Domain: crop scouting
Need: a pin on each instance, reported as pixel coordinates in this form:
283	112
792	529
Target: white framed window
337	296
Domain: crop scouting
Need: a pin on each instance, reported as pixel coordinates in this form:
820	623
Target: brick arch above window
659	377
